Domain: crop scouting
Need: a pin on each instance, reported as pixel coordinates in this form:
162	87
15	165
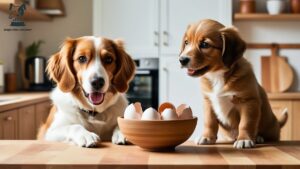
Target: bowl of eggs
157	130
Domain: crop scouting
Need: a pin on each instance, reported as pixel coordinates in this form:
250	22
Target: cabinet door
177	87
295	120
27	127
176	15
8	125
41	113
278	107
134	21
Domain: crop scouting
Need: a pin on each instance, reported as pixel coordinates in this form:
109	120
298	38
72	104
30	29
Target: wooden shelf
265	16
31	14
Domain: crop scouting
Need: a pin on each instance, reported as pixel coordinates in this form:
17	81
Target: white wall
8	43
77	22
269	32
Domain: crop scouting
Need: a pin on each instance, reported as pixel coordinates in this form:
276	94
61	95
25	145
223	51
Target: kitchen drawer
27	127
9	125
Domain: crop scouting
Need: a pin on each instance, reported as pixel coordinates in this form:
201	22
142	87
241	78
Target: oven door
144	88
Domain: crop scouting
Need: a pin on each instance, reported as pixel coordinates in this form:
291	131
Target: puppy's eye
82	59
108	60
204	45
186	42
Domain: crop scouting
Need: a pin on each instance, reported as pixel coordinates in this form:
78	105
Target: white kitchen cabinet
134	21
176	15
154	28
177	87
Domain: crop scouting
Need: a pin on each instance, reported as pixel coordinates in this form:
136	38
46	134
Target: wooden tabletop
33	154
284	96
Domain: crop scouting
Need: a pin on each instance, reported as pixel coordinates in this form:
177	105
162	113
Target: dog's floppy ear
125	68
233	46
60	65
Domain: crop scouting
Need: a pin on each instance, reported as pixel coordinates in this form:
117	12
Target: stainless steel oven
144	86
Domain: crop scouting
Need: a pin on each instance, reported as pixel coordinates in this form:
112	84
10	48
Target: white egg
169	114
184	112
150	114
131	113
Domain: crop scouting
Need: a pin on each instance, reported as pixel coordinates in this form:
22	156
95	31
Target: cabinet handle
156	38
165	38
8	118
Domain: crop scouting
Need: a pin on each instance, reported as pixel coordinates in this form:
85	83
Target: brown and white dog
234	101
91	73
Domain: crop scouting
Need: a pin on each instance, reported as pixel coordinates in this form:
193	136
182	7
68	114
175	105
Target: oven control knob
147	63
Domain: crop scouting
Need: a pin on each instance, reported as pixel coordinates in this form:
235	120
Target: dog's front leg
211	126
75	133
248	127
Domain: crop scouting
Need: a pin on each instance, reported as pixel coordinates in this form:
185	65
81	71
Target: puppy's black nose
184	60
97	83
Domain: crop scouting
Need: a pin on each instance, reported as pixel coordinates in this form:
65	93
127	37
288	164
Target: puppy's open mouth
197	72
95	98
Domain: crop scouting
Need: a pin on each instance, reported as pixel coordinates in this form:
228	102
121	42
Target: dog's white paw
86	139
118	138
205	140
260	140
241	144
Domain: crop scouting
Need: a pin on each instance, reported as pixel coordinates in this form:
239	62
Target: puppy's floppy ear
233	46
60	66
125	68
183	39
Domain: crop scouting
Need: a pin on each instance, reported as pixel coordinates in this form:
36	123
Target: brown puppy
234	101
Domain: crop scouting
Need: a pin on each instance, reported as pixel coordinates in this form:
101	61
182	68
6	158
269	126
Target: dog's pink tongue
96	98
190	71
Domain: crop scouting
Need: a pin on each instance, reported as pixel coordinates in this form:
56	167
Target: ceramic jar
247	6
275	7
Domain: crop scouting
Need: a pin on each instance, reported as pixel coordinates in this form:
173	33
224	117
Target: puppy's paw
205	140
260	140
87	139
118	138
241	144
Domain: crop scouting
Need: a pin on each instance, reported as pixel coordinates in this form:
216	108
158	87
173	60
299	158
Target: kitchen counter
14	100
40	154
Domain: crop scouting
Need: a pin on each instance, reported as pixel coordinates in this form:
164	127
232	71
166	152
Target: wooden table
40	155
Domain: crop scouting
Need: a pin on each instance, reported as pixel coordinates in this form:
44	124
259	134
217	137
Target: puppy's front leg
248	127
75	133
211	126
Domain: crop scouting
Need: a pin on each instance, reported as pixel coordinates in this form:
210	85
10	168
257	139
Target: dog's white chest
221	100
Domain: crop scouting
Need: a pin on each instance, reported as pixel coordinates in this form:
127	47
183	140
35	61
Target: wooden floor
42	155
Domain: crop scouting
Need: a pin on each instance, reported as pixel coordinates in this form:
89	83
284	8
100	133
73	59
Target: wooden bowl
162	135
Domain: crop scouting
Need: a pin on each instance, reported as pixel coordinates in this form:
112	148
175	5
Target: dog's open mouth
95	98
197	72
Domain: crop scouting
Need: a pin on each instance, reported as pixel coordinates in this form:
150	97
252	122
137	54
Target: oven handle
142	72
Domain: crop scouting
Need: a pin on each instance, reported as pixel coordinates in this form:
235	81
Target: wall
269	32
8	43
77	22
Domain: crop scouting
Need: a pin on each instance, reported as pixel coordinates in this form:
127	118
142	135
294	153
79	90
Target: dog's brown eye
186	42
108	60
204	45
82	59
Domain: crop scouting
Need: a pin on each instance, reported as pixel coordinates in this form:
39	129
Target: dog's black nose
97	83
184	60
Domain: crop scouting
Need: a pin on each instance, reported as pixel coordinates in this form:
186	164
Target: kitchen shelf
266	17
30	14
